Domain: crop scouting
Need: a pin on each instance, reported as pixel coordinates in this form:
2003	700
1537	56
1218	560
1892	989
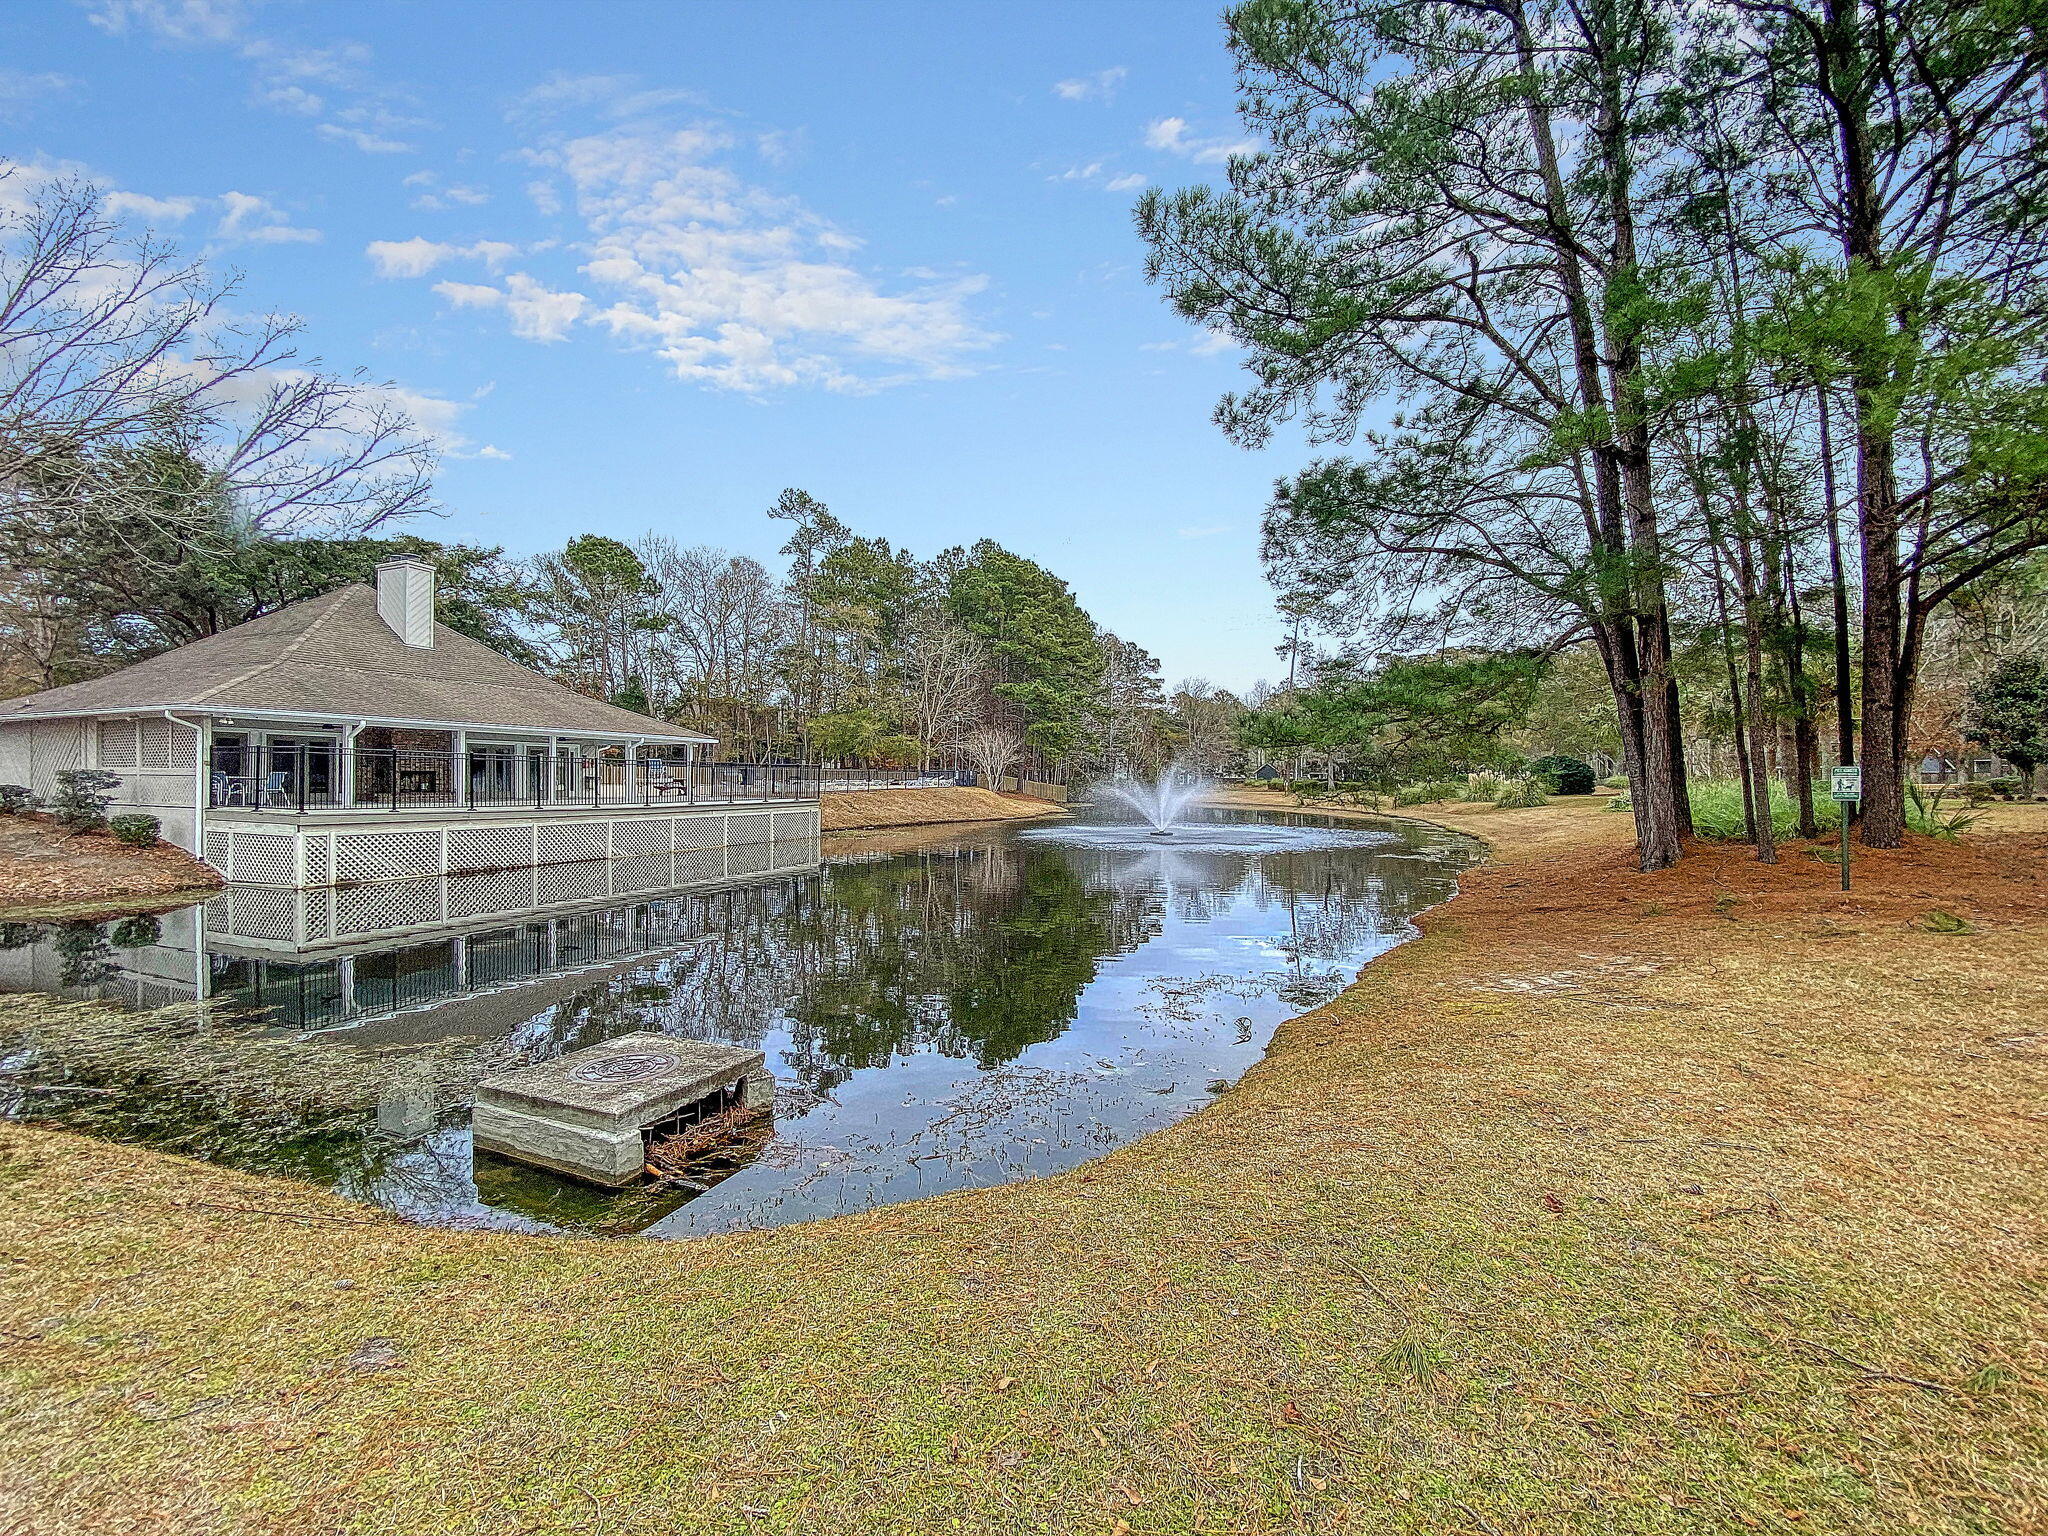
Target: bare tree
116	351
993	752
942	677
715	659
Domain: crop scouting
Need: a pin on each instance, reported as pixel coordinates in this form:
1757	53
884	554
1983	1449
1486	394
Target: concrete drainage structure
588	1114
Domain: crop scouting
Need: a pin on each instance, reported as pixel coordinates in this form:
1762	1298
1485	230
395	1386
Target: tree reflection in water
986	1006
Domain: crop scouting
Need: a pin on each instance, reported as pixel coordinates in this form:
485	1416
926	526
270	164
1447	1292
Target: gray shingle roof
331	656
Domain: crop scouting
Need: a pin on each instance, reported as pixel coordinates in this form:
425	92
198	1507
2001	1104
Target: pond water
939	1010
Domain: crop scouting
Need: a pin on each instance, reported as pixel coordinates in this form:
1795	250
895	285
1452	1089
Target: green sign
1846	783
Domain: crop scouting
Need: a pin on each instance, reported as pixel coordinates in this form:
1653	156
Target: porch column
460	788
348	763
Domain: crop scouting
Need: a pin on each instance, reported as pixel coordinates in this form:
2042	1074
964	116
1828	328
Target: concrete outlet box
583	1114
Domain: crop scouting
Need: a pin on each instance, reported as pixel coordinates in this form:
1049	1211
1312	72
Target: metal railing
825	779
315	777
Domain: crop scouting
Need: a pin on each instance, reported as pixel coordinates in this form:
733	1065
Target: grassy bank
864	809
1699	1201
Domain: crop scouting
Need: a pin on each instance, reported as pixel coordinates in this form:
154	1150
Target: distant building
351	738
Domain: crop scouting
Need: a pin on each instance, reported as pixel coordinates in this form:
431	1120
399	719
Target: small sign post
1845	787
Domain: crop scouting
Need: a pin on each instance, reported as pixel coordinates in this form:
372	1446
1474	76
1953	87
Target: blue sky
645	264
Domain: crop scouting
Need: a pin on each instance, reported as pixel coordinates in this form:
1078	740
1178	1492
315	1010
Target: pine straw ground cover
45	870
1692	1202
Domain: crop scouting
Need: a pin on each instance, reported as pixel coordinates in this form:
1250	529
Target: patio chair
230	791
274	792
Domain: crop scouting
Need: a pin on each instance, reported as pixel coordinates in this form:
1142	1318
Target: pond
939	1010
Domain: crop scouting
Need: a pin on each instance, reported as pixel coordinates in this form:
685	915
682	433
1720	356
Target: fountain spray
1162	801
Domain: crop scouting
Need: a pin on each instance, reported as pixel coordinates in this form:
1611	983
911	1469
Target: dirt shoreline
1697	1201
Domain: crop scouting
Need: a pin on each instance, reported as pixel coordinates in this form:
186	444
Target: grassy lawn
1709	1200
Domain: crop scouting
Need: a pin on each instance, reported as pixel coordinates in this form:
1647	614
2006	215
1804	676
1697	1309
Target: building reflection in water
960	1010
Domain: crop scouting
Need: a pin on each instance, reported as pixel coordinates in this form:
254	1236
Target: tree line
171	466
1706	340
856	652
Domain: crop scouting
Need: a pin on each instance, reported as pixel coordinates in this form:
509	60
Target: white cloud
780	146
419	256
1100	86
178	21
1171	135
1096	171
537	312
369	143
350	107
435	197
1207	344
439	418
257	221
243	218
409	258
733	286
21	92
151	210
618	97
470	295
293	98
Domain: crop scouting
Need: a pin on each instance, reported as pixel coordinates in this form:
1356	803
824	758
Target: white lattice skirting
266	916
709	844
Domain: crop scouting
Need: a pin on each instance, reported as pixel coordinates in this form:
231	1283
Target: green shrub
15	798
1521	794
1565	775
1615	781
2008	785
82	798
136	829
1429	792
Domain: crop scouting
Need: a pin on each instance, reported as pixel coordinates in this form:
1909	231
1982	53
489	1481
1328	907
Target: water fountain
1162	801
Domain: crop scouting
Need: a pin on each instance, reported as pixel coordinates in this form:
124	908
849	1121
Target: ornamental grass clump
1717	813
1521	794
1482	788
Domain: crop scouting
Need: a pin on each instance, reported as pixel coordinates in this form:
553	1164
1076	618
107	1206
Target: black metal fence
313	776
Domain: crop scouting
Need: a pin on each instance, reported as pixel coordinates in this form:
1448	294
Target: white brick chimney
405	599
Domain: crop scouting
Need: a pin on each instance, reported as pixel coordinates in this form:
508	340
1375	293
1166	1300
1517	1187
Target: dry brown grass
1701	1201
860	809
